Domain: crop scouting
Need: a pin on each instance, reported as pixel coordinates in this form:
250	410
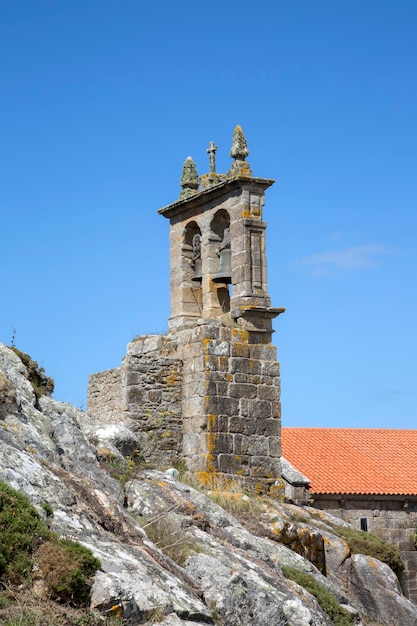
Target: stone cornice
206	195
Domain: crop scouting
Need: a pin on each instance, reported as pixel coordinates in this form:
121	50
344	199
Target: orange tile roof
354	460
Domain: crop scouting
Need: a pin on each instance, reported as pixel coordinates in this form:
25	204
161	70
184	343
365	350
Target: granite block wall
105	395
392	519
208	394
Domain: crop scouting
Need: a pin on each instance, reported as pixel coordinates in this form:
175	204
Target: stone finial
189	179
239	148
239	152
212	155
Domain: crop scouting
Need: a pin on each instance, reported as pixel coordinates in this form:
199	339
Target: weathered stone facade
145	394
392	518
204	394
209	390
231	409
105	395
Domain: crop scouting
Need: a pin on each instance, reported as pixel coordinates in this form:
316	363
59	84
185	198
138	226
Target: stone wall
393	519
105	395
153	392
231	404
206	393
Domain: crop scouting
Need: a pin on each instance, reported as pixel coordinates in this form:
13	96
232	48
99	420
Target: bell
198	275
224	271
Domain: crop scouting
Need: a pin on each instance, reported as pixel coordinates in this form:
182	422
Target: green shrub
67	568
123	469
42	384
361	542
22	530
4	600
48	509
181	467
327	601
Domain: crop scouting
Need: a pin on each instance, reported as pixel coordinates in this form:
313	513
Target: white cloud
357	257
391	394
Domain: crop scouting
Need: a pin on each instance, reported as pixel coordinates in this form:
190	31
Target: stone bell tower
217	239
221	309
216	390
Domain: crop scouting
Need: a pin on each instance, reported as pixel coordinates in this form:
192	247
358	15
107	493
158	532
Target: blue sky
101	102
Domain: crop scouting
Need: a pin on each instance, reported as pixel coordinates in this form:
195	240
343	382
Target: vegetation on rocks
231	496
230	556
29	551
361	542
22	608
7	396
66	567
22	532
228	493
42	384
325	599
123	469
170	538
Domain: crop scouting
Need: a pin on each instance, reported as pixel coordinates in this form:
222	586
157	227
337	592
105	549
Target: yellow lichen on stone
242	334
241	349
172	379
211	443
211	422
277	491
105	452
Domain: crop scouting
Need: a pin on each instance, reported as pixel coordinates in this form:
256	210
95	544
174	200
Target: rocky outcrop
169	553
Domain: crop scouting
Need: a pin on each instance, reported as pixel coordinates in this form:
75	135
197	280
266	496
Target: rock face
168	552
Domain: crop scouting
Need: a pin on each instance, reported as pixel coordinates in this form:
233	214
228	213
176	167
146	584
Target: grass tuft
361	542
42	384
170	538
327	601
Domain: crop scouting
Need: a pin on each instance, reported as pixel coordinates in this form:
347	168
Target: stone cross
212	152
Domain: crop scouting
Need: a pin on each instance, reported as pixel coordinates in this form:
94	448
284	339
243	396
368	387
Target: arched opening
192	252
192	269
220	256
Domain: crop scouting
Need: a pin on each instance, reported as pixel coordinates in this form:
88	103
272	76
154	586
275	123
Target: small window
364	524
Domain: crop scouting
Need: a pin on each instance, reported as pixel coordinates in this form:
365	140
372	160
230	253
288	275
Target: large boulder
374	588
